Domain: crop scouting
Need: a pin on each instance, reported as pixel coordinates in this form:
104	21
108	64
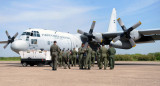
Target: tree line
118	57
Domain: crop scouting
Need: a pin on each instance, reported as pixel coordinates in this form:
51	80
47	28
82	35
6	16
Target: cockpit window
35	34
24	33
28	33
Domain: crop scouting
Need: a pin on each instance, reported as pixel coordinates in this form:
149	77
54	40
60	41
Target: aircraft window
38	35
28	33
35	34
34	41
24	33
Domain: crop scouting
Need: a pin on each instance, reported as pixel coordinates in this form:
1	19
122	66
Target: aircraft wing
146	36
149	32
149	36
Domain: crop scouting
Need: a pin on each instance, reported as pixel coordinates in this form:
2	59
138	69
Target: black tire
24	64
39	64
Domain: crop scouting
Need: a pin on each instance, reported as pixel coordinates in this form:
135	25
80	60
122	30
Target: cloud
55	12
137	6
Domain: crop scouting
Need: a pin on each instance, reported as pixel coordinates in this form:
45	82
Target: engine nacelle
98	37
121	44
135	35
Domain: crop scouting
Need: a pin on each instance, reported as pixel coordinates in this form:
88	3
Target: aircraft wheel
24	64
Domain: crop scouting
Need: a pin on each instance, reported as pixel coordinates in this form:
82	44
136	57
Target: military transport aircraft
42	39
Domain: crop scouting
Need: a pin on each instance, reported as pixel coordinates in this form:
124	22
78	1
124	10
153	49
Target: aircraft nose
19	45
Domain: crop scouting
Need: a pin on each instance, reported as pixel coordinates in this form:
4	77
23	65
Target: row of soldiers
86	57
73	57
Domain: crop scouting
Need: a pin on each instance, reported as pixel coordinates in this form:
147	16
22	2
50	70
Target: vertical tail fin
112	24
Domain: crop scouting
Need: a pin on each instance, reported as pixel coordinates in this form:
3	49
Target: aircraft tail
112	24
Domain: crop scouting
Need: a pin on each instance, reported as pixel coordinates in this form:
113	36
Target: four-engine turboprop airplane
41	39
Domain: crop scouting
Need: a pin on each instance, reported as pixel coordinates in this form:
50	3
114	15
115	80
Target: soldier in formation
82	56
88	57
93	57
98	57
65	59
111	52
74	57
103	58
54	50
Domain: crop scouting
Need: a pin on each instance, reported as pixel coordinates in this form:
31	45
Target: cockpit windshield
33	33
26	33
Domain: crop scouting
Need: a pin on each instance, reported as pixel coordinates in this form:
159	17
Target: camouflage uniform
103	58
74	57
82	57
60	59
70	58
93	57
98	57
79	56
111	52
88	58
54	50
65	59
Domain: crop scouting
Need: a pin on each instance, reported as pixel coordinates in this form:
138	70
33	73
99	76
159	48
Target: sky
70	15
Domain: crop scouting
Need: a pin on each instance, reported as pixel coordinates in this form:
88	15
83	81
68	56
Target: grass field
126	57
10	58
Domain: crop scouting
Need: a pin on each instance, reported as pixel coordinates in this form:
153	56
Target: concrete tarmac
125	74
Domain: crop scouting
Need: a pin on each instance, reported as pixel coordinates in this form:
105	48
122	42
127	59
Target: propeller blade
15	35
121	24
8	35
134	26
2	42
92	27
6	45
137	24
132	42
116	39
80	31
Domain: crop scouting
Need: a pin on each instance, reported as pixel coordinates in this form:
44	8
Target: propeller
88	35
10	39
126	32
